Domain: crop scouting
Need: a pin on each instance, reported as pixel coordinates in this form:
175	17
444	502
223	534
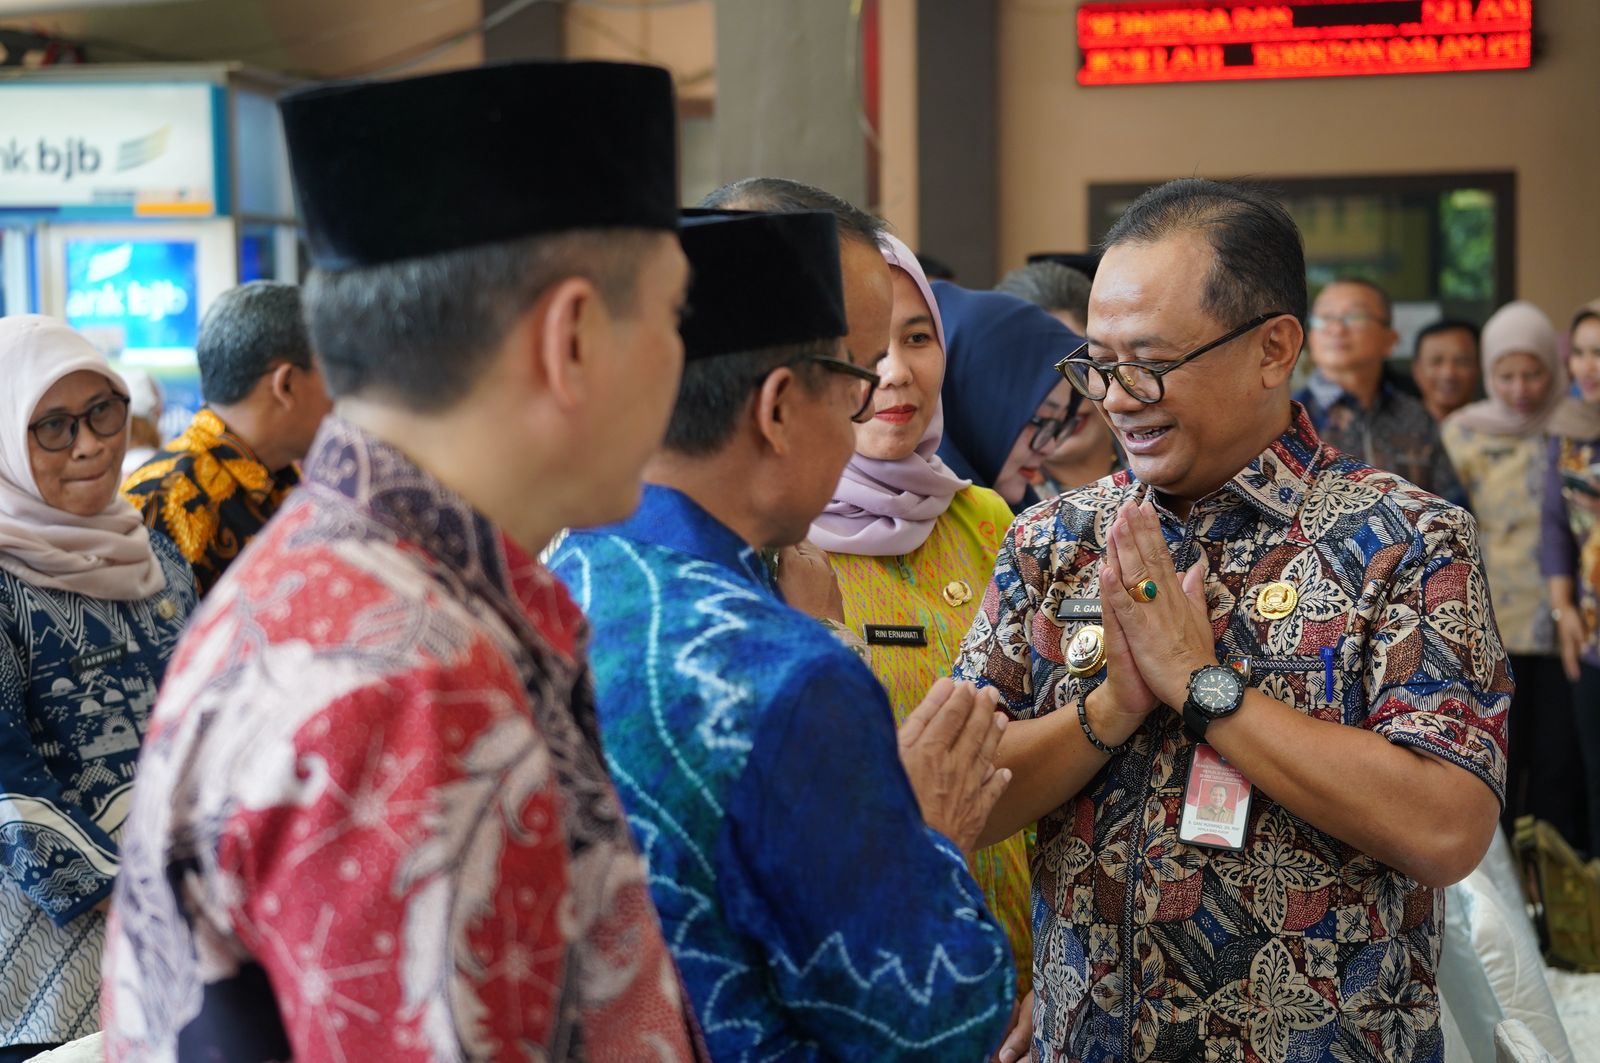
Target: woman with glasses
1086	452
91	605
1006	410
912	543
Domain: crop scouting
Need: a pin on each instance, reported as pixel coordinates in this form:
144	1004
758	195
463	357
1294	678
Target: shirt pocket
1299	680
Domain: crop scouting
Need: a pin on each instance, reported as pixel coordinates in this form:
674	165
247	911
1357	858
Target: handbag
1563	895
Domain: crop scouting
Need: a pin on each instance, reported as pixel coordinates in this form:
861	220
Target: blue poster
137	300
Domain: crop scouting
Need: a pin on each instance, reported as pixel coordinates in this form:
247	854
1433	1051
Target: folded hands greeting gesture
1157	626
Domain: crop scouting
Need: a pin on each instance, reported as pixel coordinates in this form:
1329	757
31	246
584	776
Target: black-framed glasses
1051	432
59	431
1142	380
869	381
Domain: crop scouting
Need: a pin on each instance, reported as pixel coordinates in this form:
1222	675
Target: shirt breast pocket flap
1300	680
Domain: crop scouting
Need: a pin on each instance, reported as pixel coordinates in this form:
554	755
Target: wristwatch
1215	691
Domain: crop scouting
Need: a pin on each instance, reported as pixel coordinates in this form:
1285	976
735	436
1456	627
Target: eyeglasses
1142	380
1050	432
1352	319
59	431
869	381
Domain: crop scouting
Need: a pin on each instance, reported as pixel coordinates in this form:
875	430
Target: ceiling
18	8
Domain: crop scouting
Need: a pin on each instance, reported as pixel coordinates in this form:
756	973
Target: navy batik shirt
78	677
812	912
1297	948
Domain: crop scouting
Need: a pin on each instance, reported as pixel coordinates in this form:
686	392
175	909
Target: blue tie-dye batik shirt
813	915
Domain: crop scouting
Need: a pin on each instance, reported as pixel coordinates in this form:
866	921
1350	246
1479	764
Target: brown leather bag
1563	895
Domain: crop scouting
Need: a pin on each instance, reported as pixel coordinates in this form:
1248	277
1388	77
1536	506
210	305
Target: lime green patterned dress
911	590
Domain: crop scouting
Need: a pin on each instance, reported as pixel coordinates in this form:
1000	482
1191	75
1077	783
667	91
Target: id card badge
1216	802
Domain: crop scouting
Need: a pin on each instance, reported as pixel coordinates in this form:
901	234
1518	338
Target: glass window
1440	245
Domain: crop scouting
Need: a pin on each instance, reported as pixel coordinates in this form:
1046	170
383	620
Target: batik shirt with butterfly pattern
1298	947
373	822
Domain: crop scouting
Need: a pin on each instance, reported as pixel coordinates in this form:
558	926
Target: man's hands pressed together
1165	639
947	746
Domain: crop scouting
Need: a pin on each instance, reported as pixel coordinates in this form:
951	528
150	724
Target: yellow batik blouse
937	588
1504	476
208	492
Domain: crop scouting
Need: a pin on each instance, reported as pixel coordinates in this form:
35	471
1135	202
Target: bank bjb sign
136	299
149	149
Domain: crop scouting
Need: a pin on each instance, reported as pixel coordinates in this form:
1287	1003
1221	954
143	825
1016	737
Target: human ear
280	383
1281	342
567	328
774	410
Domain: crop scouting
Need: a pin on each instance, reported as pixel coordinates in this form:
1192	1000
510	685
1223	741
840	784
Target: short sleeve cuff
1452	740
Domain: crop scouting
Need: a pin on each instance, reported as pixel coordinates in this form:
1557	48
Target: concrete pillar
538	31
957	199
787	93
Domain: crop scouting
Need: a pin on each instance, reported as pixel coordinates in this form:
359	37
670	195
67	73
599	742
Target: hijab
105	556
1574	418
888	508
1516	328
1000	357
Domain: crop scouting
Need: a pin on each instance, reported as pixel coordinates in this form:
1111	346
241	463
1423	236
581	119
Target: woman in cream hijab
1498	447
90	609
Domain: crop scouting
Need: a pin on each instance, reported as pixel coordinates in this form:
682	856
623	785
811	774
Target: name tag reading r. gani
1072	609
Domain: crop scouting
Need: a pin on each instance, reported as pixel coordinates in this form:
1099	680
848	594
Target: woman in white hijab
91	606
1498	447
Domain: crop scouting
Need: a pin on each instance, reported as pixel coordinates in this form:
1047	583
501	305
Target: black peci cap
390	170
760	280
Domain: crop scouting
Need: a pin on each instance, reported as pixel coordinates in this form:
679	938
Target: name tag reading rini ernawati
896	635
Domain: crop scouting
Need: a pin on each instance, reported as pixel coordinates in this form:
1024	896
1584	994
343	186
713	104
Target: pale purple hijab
888	508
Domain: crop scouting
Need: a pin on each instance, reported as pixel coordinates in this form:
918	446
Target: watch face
1216	689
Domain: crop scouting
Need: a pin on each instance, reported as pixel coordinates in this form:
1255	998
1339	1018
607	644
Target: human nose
893	371
1117	398
85	444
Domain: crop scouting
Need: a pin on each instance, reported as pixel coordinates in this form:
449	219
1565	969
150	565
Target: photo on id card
1216	802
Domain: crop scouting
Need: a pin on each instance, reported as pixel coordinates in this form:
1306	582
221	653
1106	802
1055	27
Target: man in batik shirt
211	489
1249	608
1354	404
374	822
814	913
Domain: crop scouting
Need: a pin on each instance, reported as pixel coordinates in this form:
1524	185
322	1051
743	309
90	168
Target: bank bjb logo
75	157
133	295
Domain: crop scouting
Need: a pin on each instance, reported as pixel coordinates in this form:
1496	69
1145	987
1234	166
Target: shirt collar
669	518
1277	480
1326	394
410	502
214	432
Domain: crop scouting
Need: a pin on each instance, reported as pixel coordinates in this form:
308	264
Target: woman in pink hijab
912	545
91	605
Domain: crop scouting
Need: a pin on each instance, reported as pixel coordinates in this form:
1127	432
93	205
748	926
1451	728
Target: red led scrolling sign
1162	41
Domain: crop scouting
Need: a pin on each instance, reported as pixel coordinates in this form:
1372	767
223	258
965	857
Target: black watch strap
1196	719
